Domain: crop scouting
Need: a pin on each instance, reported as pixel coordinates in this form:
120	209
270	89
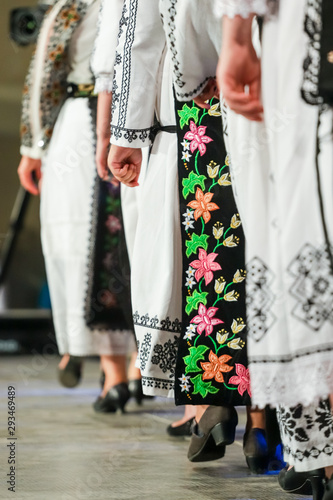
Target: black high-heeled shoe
301	483
183	430
70	376
214	432
256	450
115	399
328	491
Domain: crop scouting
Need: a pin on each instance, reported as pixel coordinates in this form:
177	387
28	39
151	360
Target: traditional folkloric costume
212	361
142	91
58	126
283	175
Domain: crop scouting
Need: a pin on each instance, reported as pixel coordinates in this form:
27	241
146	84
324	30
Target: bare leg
114	368
134	373
190	412
329	471
63	362
255	418
200	411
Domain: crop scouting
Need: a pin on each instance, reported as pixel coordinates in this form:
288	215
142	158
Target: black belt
80	90
157	127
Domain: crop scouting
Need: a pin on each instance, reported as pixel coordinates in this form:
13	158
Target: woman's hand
125	164
239	69
102	152
30	174
207	94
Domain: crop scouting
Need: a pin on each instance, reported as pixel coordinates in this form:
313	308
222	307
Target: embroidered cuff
131	138
34	152
103	84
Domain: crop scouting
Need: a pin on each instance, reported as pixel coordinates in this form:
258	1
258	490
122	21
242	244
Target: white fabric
156	266
79	65
289	282
156	259
140	47
243	8
68	179
194	39
102	62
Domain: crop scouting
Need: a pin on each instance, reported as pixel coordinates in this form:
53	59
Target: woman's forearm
104	115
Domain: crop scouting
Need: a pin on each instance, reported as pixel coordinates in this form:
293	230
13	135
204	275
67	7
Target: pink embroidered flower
205	320
242	380
205	266
198	138
113	224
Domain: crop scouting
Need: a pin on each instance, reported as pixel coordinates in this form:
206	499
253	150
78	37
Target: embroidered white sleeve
243	8
103	58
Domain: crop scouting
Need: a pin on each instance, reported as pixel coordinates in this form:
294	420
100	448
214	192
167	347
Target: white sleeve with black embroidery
243	8
138	57
103	58
194	39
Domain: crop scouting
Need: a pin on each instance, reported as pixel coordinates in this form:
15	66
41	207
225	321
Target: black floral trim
311	65
195	92
154	323
158	383
144	350
165	355
171	35
131	134
127	56
260	299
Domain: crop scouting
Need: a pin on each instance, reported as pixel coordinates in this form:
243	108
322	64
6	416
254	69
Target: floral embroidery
205	266
205	320
242	379
198	138
212	361
202	205
216	367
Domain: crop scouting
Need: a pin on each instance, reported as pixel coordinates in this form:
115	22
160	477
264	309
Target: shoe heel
318	488
223	433
257	465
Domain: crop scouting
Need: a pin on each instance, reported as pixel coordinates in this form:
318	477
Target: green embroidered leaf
196	242
196	355
203	388
194	300
192	181
186	114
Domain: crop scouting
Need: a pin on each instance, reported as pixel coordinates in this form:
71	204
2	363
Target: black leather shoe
328	492
115	399
256	450
215	430
299	482
136	392
183	430
70	376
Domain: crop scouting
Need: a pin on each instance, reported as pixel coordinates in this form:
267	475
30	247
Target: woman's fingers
28	182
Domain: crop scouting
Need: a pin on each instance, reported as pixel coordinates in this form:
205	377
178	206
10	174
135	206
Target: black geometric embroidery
325	418
158	383
259	299
165	356
313	287
144	352
165	324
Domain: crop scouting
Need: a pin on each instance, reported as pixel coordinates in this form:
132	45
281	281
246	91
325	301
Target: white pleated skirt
66	198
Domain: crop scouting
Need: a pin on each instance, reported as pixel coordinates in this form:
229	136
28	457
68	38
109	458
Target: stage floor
65	451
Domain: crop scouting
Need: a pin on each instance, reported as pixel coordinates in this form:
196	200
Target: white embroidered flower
186	156
186	145
190	271
189	214
185	387
188	224
190	282
184	379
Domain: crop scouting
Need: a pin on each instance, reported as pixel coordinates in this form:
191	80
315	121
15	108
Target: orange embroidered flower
216	367
70	16
203	205
55	93
57	56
